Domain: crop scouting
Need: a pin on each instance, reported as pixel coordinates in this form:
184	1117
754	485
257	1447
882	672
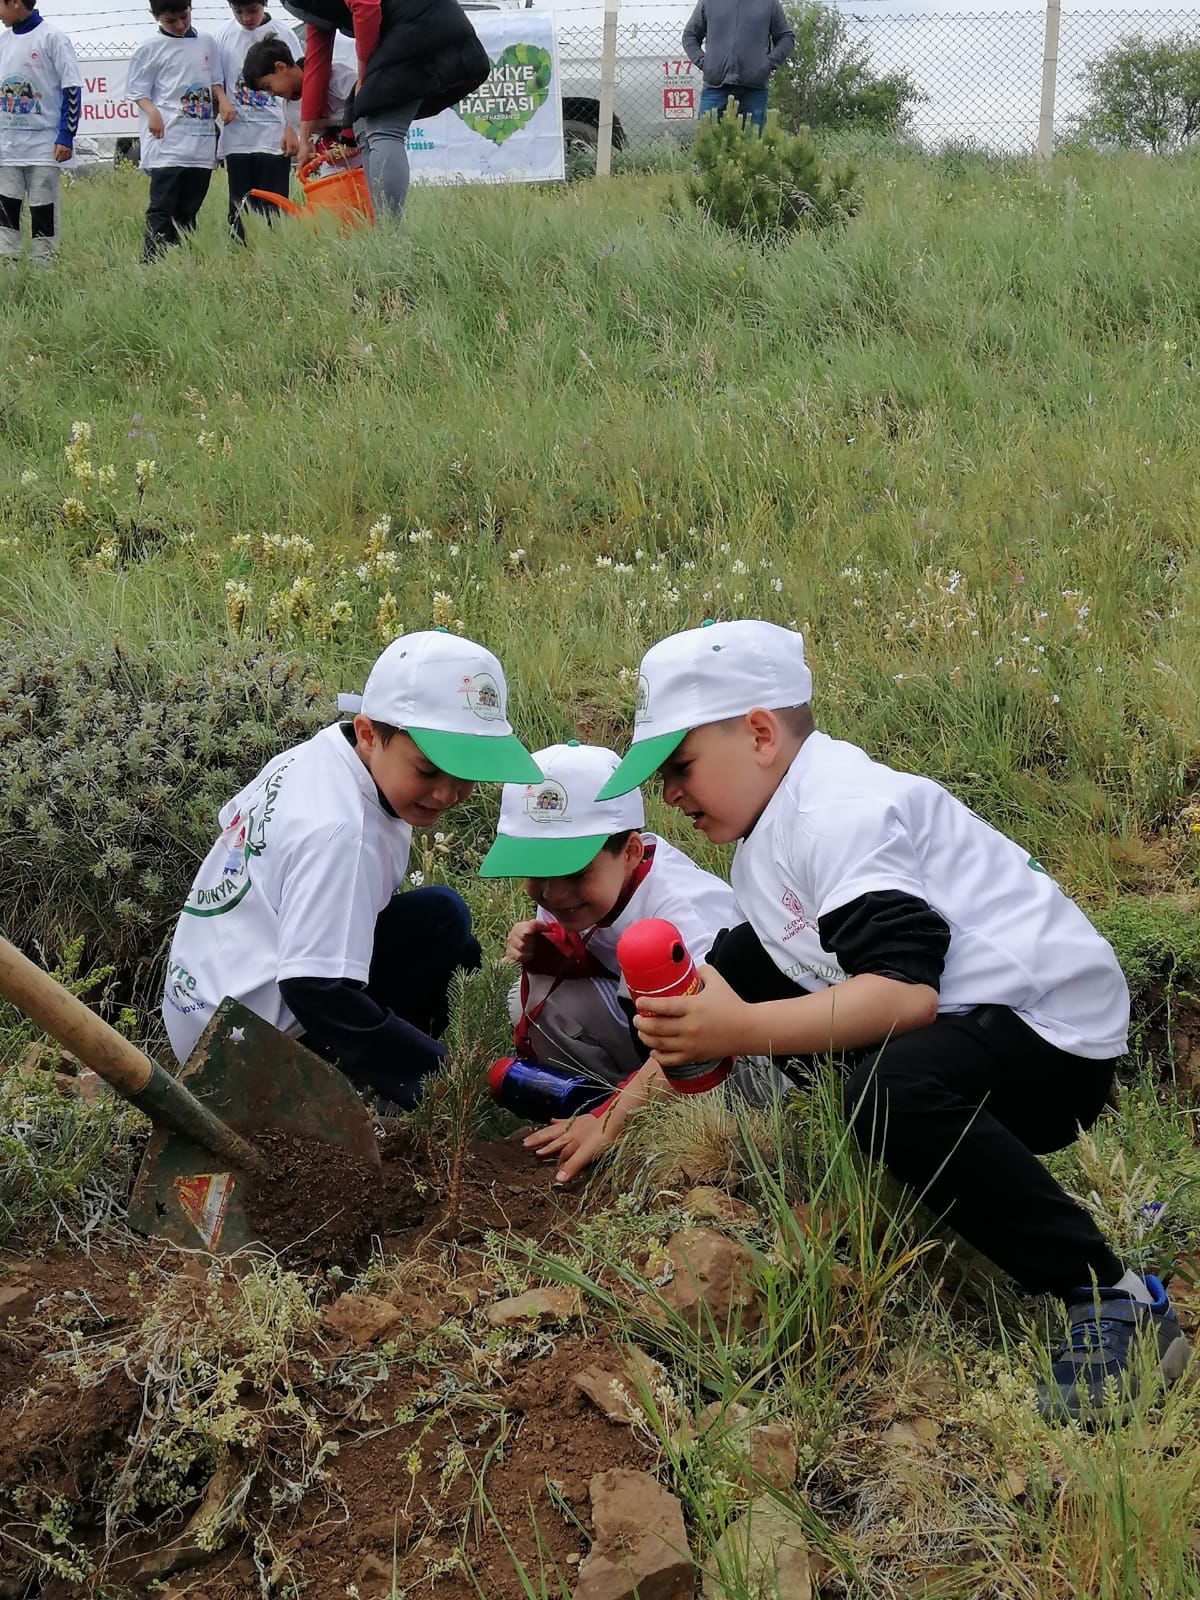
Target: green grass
955	443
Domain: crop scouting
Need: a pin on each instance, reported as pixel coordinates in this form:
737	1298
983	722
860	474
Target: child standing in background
39	118
257	148
175	78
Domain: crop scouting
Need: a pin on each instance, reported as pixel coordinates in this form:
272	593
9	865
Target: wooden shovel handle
76	1027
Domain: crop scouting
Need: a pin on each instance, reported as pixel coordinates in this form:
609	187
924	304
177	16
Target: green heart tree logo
514	90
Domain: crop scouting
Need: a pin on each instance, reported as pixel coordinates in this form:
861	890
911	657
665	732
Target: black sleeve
370	1044
891	934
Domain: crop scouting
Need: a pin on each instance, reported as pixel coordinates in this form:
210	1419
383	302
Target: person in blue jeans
737	44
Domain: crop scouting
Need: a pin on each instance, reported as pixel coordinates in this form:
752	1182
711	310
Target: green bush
828	81
113	766
767	185
1157	943
1144	94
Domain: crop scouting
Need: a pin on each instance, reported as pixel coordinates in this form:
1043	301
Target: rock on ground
711	1278
763	1555
614	1387
640	1550
538	1308
711	1204
362	1318
766	1451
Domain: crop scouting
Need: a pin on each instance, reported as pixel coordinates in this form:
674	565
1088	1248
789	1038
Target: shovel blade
257	1080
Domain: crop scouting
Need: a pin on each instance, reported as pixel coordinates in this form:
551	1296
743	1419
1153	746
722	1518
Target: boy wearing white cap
592	871
294	910
978	1012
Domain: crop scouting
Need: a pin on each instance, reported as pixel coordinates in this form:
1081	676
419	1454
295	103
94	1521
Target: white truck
657	89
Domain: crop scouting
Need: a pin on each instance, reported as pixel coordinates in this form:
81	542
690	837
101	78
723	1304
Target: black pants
959	1111
422	938
176	195
254	171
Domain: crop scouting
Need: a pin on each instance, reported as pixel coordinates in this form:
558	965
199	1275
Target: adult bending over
415	58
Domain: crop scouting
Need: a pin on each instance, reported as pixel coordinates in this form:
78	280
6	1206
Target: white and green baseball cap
557	826
449	695
718	670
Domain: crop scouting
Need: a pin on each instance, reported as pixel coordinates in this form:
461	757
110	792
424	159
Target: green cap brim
640	761
540	858
476	758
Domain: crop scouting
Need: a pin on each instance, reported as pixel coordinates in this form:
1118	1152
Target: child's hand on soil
576	1141
708	1026
519	946
154	123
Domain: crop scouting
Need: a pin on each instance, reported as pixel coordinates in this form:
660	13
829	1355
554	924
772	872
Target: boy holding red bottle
593	871
977	1013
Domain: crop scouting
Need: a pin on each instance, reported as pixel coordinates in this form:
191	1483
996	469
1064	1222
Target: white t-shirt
678	891
841	825
258	127
35	68
306	861
343	75
177	75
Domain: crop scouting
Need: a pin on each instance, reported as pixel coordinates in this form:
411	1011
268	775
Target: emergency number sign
678	90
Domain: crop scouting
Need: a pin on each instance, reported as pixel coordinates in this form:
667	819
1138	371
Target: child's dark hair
796	720
616	842
159	8
261	58
384	731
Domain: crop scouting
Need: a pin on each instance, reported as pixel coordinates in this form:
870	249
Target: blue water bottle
539	1093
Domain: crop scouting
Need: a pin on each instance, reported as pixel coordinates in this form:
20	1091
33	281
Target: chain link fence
1000	80
970	78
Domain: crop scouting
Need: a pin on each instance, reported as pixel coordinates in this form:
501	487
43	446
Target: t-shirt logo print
19	98
799	917
196	102
243	95
546	802
482	694
244	837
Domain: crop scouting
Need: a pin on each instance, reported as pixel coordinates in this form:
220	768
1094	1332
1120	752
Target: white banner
104	108
510	129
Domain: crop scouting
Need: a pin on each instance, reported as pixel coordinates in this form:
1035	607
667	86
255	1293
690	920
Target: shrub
113	766
828	80
767	185
1144	94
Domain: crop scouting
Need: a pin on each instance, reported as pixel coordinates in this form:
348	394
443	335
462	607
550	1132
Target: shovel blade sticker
205	1199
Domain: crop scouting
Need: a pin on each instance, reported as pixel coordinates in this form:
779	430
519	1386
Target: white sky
95	22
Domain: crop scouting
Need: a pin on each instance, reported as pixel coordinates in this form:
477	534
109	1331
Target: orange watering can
343	195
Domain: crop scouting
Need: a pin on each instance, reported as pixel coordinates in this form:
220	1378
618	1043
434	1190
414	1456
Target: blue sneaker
1096	1375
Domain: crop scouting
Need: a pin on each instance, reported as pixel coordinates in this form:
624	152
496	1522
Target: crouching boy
592	870
295	912
977	1011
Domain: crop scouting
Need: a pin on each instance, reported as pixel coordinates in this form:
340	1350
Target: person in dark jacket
415	58
737	44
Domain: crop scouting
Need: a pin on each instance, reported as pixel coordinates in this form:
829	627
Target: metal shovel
244	1078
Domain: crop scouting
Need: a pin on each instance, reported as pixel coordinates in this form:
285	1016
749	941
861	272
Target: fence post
608	87
1045	143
